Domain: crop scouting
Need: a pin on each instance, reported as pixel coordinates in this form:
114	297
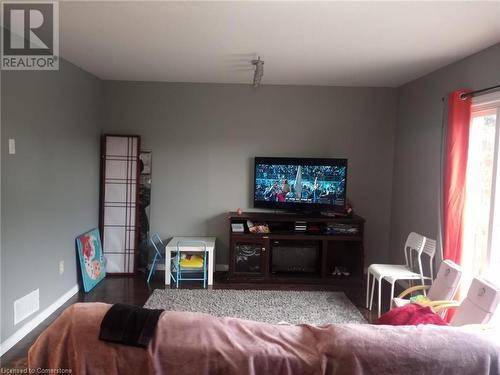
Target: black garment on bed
129	325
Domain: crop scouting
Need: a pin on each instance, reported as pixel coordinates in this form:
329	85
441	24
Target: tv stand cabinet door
249	258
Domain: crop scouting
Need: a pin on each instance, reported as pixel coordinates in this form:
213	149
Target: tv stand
299	248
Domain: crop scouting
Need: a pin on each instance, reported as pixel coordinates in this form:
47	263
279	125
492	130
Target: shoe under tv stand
288	256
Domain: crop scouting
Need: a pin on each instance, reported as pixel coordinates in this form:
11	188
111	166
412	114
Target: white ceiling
305	43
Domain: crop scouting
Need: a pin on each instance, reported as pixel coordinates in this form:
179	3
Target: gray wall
204	136
416	180
50	187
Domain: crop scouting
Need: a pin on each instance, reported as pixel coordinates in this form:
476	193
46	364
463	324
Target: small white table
172	247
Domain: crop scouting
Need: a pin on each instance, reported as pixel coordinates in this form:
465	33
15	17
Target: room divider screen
119	220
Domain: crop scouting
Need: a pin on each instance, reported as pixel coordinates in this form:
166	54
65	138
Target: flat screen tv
305	184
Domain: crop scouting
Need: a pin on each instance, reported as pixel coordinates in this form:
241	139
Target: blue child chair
159	247
190	268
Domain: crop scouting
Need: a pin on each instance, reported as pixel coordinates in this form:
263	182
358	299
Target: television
306	184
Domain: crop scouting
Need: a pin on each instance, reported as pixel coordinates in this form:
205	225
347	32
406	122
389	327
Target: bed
195	343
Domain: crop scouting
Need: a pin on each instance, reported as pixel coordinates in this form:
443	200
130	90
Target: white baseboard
222	267
33	323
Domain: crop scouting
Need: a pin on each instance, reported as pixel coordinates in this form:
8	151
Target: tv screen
300	183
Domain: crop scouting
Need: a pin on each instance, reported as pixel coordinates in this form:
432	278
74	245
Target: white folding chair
443	287
415	245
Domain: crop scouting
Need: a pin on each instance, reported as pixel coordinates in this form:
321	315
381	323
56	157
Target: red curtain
457	145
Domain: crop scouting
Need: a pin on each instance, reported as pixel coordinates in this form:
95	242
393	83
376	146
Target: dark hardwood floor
135	291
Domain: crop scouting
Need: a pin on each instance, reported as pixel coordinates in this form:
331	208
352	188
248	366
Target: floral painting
92	262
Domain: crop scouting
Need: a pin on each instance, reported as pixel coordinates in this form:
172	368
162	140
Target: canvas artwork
92	262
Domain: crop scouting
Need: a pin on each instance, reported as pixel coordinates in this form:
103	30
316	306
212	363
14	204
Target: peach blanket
195	344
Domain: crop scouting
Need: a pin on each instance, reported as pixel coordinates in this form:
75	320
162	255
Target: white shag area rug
269	306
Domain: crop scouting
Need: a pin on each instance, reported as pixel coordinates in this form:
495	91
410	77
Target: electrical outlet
61	267
12	146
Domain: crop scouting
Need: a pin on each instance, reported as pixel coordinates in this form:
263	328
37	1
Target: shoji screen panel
119	202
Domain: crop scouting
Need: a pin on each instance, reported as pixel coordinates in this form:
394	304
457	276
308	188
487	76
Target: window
481	240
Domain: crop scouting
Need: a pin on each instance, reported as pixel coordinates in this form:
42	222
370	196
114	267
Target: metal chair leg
379	297
204	269
392	295
367	288
373	290
153	265
178	271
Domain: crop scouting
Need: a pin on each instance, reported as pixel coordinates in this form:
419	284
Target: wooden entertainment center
288	254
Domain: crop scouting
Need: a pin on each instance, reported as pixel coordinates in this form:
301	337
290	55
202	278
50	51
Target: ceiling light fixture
259	71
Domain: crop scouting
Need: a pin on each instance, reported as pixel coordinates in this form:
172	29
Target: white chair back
479	305
418	244
429	247
446	283
414	242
